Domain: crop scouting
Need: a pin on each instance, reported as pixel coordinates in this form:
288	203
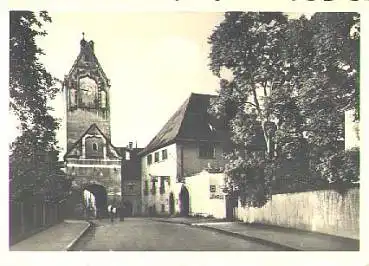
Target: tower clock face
88	89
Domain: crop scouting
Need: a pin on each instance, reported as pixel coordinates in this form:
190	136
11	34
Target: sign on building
216	192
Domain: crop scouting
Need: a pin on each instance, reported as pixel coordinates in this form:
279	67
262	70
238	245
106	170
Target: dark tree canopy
292	80
34	154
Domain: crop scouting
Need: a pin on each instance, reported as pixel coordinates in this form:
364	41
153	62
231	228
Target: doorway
171	204
184	199
128	209
97	204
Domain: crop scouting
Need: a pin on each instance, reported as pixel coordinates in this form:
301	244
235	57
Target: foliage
34	153
292	79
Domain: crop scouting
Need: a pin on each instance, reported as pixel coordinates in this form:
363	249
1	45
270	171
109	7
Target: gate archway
101	198
184	199
171	204
77	203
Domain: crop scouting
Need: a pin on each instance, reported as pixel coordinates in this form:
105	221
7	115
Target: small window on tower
94	147
103	99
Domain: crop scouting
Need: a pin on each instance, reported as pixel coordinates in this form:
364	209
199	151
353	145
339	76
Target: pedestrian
110	212
113	213
121	212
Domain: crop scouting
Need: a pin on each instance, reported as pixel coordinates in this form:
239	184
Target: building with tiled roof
192	140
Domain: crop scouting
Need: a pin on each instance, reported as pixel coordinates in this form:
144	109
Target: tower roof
87	57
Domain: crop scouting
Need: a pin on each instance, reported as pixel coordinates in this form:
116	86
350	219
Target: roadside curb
172	222
250	238
234	234
82	233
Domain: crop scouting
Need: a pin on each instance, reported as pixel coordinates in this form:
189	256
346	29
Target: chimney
130	145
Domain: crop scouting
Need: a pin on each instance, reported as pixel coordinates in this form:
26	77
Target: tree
328	85
291	81
34	153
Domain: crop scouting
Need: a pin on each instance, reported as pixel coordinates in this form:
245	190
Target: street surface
143	234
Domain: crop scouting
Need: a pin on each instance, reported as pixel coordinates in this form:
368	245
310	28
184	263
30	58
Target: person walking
121	212
110	211
113	213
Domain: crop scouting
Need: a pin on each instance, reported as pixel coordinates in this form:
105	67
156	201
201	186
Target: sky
153	60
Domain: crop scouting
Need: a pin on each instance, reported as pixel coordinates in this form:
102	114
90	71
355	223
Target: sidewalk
291	239
60	237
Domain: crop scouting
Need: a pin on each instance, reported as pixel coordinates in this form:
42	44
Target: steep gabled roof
190	122
87	54
92	129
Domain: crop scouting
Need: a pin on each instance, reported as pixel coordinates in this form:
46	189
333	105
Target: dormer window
94	147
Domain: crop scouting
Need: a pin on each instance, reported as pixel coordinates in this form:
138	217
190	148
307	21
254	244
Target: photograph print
184	131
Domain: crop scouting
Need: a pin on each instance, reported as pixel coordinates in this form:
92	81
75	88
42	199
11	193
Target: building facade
131	180
189	142
92	162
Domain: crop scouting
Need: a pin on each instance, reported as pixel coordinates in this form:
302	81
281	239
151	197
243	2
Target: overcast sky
154	62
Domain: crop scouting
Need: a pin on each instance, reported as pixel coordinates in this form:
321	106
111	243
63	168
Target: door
171	204
229	208
184	198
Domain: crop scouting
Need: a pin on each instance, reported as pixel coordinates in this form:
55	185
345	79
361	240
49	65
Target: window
94	146
103	99
156	156
213	188
162	185
149	159
164	154
162	208
153	189
206	150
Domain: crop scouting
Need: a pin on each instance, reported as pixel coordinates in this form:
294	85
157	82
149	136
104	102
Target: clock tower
87	95
92	161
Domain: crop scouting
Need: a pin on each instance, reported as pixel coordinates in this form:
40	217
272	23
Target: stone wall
323	211
108	177
78	121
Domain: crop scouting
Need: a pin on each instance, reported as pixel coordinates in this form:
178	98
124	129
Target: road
142	234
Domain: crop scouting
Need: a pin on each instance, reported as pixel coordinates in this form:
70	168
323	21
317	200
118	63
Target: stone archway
76	203
184	199
101	198
171	204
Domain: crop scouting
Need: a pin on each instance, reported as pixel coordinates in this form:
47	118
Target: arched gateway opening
184	199
88	201
96	205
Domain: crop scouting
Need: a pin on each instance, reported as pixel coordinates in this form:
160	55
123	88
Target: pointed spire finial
83	35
